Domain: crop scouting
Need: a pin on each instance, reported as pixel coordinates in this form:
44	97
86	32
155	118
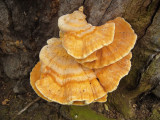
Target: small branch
27	106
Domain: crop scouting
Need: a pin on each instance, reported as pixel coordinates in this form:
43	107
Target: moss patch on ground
85	113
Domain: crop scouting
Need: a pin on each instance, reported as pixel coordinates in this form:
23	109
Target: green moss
85	113
155	114
122	102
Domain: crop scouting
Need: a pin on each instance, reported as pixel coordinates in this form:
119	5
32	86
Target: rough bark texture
26	25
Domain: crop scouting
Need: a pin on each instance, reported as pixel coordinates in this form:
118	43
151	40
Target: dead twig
27	106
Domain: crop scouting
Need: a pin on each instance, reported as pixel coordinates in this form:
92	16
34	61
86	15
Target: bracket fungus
64	80
110	75
124	41
85	63
80	38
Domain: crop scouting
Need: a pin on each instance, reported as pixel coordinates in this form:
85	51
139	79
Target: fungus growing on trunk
85	63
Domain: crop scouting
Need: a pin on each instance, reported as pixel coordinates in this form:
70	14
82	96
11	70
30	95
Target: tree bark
25	27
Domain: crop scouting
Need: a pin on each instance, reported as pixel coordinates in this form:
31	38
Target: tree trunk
25	27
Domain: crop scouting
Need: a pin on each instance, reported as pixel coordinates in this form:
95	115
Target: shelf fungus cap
34	76
124	41
64	80
75	21
79	38
110	76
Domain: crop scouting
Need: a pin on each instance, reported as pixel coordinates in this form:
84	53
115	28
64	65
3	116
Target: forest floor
15	95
